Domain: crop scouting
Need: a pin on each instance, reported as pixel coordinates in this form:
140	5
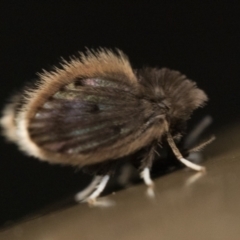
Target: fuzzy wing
86	116
89	111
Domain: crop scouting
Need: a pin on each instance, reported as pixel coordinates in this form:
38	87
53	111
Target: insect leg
147	164
97	186
82	195
99	189
179	156
145	175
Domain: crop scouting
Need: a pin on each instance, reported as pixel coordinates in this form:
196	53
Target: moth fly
96	109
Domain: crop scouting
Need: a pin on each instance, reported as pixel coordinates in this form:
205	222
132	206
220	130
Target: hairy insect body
96	108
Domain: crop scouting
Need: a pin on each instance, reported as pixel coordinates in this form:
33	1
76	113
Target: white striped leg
95	188
92	198
145	175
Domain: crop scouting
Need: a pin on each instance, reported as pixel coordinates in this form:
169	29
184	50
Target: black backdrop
200	40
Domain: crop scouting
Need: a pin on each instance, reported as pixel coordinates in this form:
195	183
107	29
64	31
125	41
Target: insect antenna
194	135
201	145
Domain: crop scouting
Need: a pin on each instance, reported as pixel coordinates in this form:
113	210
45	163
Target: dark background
200	40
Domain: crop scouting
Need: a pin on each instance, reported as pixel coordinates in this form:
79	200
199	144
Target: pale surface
187	206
